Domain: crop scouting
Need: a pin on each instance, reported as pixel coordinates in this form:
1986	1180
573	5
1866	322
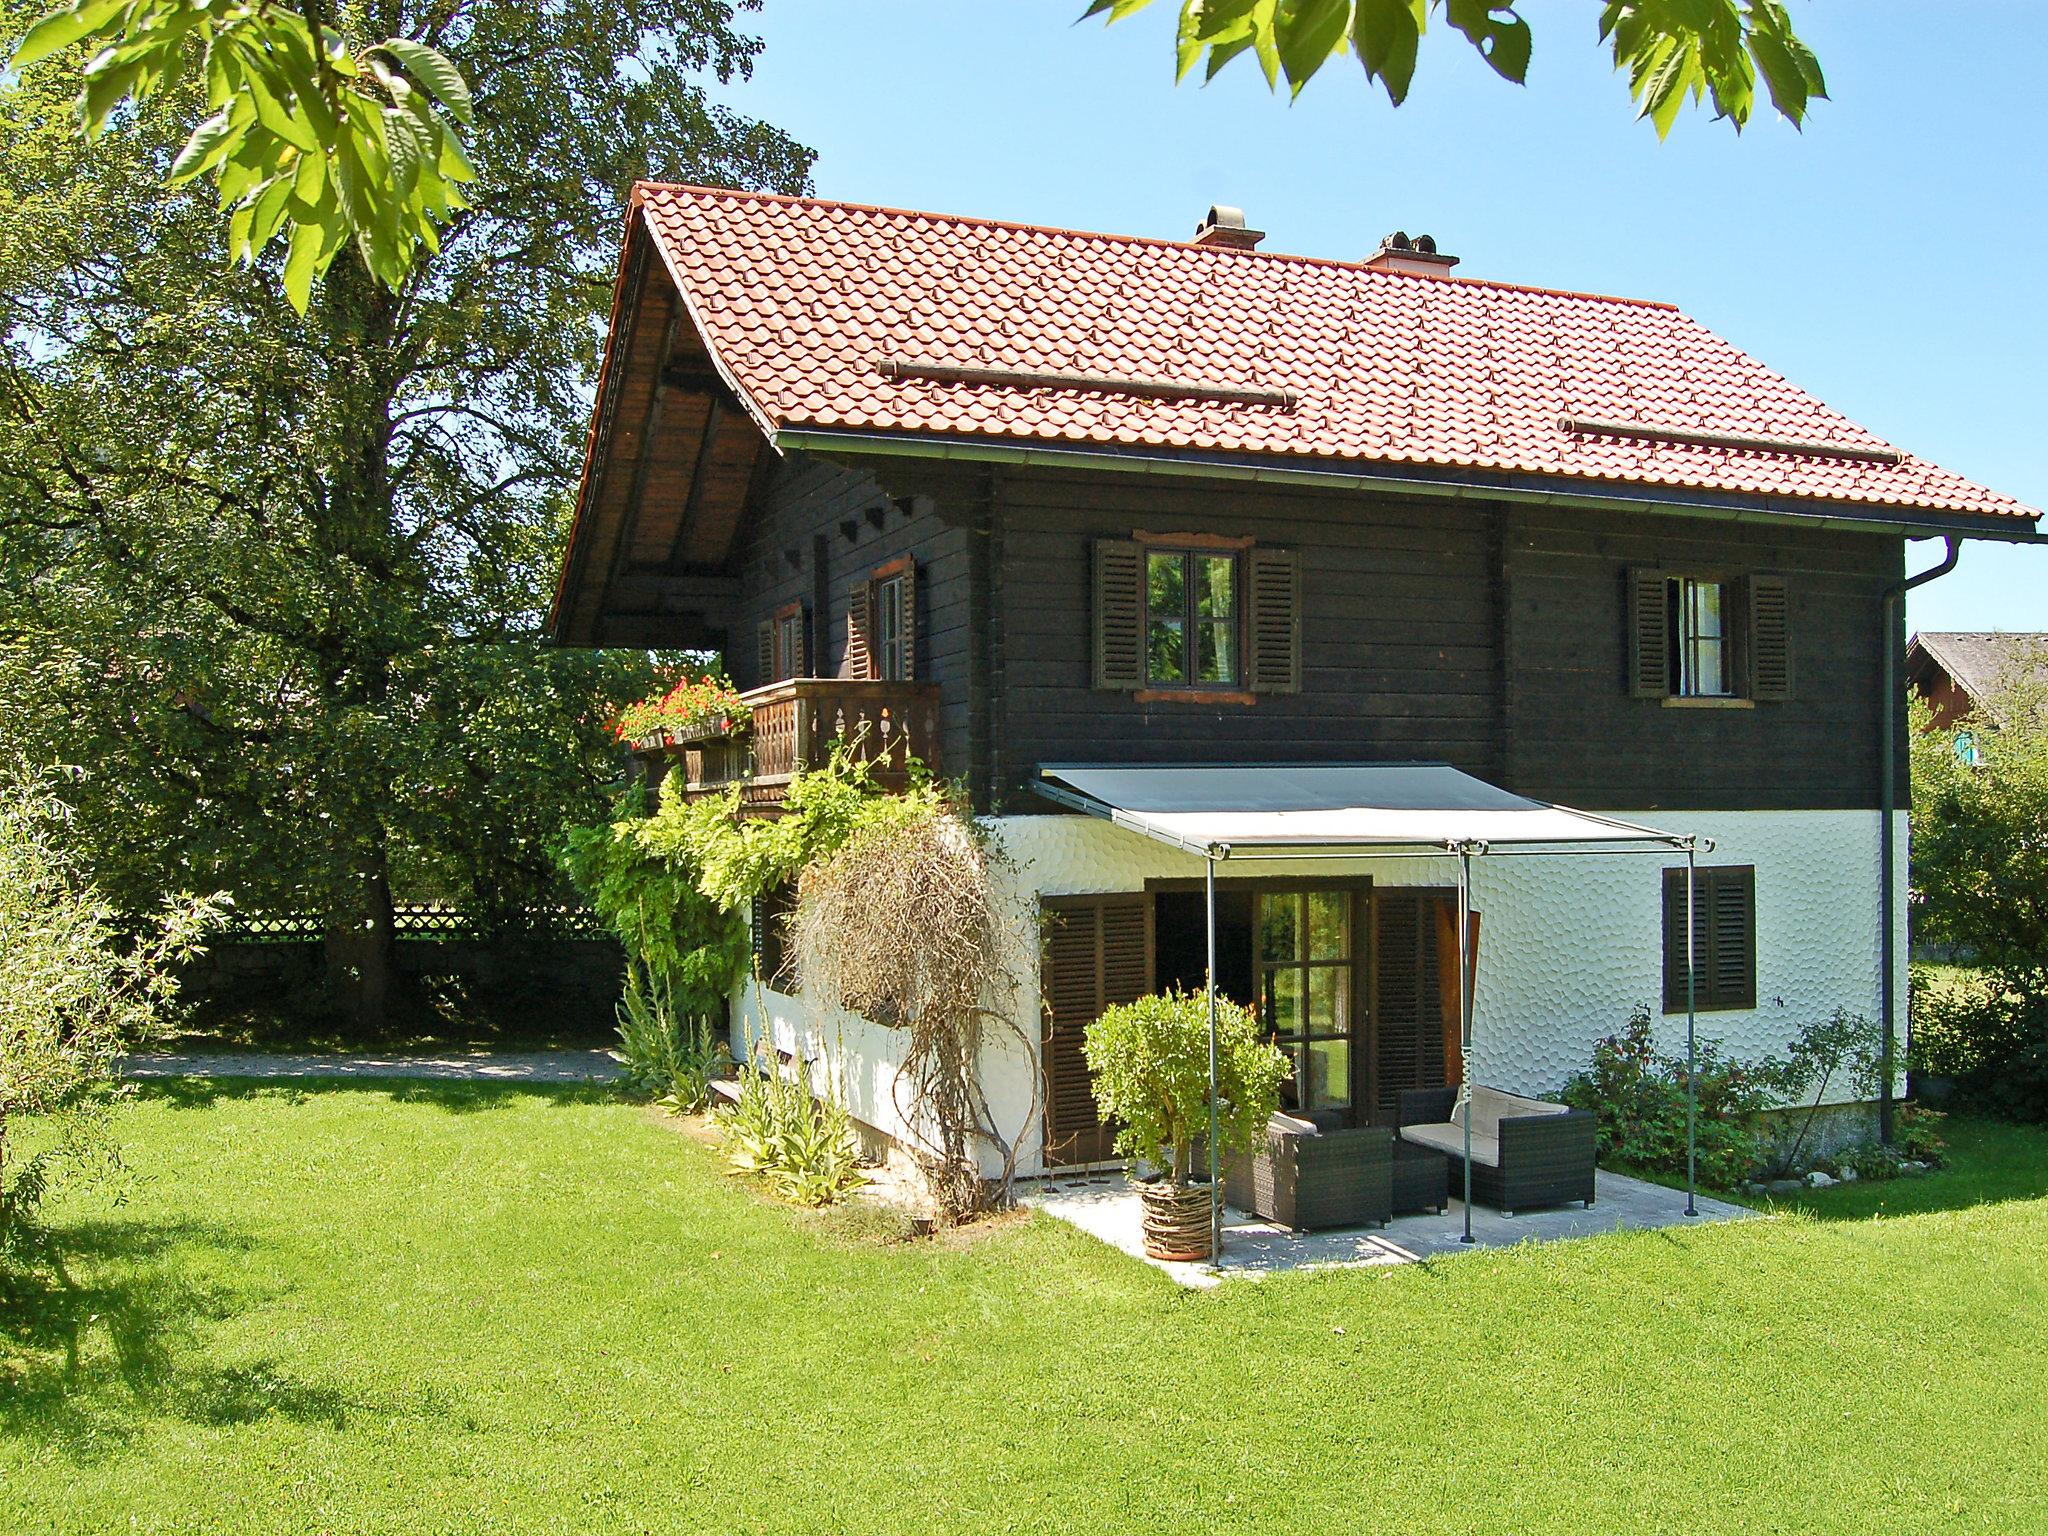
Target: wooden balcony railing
794	726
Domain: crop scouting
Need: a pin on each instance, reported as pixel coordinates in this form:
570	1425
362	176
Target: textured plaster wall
1569	946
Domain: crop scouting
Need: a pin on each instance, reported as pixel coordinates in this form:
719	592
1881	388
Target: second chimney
1418	257
1225	226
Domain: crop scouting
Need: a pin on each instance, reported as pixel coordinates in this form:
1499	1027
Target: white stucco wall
1569	945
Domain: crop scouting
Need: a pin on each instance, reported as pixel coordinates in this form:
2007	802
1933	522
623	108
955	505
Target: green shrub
1988	1031
797	1143
669	1054
1150	1065
1638	1095
1916	1131
75	994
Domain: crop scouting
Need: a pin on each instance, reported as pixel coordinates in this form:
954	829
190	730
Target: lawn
457	1308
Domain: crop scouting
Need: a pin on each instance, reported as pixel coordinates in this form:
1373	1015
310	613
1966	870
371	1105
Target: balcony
793	727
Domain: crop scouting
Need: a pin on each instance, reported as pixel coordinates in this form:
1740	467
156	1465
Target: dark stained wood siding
1398	629
814	534
1574	732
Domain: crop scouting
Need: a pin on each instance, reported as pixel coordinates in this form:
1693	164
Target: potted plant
692	709
1150	1064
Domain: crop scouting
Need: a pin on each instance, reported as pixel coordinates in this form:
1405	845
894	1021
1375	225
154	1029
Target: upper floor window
890	660
1190	618
1699	632
1708	636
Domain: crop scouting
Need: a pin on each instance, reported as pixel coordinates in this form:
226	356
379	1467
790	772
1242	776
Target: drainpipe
1887	923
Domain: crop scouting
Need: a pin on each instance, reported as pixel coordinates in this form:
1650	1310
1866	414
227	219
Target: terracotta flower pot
1176	1218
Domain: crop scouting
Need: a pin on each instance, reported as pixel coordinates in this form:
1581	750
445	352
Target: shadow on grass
1989	1162
102	1330
456	1095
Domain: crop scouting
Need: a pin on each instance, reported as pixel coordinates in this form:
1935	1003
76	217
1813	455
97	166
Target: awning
1242	808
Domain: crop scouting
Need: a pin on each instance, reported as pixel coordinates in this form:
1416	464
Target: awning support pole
1692	1074
1465	1018
1215	1187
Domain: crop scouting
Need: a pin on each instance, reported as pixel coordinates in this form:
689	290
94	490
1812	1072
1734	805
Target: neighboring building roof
799	299
1981	662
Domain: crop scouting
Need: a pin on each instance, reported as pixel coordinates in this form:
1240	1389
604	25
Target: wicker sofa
1525	1152
1306	1177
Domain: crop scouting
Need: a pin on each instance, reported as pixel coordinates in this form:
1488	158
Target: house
1956	672
1028	498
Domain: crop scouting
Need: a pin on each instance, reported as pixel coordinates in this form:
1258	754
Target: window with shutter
764	654
890	599
1724	938
1273	577
1119	614
791	656
1097	951
1770	638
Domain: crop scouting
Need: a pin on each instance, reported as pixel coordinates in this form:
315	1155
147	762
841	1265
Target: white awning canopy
1277	810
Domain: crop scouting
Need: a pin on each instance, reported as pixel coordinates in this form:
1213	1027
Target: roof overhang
1456	484
1338	810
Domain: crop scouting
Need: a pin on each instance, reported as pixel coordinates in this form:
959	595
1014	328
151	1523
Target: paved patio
1105	1206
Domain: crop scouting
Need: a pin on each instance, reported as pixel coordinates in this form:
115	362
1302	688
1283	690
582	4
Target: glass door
1306	991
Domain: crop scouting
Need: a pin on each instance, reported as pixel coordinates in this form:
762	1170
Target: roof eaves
1609	494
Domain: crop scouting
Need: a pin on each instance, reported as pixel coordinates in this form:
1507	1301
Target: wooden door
1097	951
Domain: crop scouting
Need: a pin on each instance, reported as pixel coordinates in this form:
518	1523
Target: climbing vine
896	920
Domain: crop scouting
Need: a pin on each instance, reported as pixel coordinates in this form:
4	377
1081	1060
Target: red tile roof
798	298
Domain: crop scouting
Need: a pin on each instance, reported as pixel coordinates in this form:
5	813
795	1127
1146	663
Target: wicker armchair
1524	1152
1305	1178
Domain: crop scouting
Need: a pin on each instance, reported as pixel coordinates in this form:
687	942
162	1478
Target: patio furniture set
1312	1172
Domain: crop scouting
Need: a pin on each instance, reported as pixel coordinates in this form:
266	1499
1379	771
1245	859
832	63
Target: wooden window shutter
1731	955
1273	577
800	663
1098	951
908	620
1770	638
764	654
1119	614
860	656
1649	634
1724	938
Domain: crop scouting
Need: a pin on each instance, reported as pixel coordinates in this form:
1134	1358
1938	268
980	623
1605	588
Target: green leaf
60	29
433	71
210	140
1387	35
1306	33
1501	36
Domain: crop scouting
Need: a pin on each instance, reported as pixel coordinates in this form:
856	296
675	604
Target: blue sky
1889	259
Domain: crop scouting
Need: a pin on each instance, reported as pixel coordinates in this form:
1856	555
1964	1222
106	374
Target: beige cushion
1444	1136
1490	1106
1286	1125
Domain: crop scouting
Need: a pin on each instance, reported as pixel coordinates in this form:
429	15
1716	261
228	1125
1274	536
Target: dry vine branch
903	926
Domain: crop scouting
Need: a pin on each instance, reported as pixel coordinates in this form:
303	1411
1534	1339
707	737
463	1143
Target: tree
320	133
275	582
1673	51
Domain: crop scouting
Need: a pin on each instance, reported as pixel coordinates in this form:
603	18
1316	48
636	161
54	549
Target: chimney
1418	257
1225	227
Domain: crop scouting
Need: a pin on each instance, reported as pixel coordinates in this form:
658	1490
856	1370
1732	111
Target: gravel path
489	1066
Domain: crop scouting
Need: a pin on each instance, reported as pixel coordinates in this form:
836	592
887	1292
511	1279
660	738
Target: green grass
458	1308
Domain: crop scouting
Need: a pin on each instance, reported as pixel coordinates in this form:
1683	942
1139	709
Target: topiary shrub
1150	1064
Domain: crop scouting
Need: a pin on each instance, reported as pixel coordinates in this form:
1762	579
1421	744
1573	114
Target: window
1305	990
1724	938
1699	638
1694	635
789	642
1190	618
890	630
